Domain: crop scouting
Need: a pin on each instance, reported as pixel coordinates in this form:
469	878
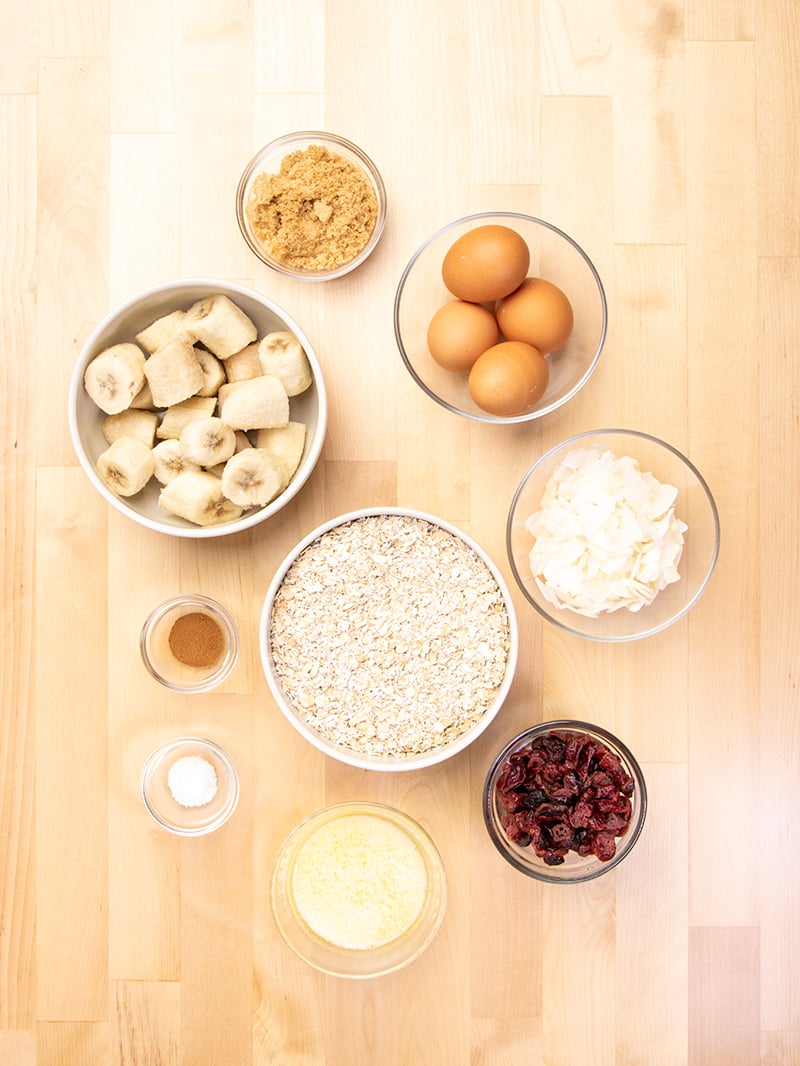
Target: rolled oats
389	635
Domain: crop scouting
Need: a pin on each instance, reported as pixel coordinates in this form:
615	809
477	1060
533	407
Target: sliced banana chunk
245	364
207	441
126	465
173	373
180	414
286	443
253	477
143	400
197	496
164	329
213	372
256	404
168	461
282	355
220	325
131	423
114	377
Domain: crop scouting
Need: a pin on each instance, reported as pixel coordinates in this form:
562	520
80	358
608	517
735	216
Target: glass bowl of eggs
500	317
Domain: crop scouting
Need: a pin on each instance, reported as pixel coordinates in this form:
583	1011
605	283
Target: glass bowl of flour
190	786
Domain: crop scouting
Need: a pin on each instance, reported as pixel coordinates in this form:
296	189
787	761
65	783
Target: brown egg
486	263
508	379
537	313
459	332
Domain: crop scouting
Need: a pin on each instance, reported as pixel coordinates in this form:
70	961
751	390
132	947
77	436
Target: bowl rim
478	416
632	834
287	140
158	754
362	761
250	519
215	608
432	856
601	637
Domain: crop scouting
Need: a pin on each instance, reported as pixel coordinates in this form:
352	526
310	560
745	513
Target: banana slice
244	365
131	423
114	377
173	373
282	355
143	400
286	443
226	390
220	325
180	414
213	372
242	442
207	441
168	461
253	477
197	496
126	465
164	329
256	404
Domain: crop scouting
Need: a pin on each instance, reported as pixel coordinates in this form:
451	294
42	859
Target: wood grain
663	138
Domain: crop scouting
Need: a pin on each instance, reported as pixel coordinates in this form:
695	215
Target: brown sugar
196	639
316	213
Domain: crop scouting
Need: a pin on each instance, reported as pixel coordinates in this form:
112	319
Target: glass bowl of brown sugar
311	205
189	643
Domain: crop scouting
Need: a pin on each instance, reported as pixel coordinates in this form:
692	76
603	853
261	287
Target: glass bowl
554	256
189	643
417	649
575	868
358	890
694	505
122	325
182	803
268	161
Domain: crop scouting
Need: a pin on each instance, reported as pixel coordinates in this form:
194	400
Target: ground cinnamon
196	639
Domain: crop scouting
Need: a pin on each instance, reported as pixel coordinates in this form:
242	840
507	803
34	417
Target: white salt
192	780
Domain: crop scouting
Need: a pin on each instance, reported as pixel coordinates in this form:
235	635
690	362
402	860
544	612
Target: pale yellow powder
359	882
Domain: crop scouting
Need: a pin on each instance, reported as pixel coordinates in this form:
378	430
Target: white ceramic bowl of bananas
198	408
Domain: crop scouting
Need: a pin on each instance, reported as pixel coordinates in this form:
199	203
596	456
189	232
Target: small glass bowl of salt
190	786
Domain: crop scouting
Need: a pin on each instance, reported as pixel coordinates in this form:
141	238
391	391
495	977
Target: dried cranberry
513	777
562	835
554	747
513	801
513	832
580	815
604	846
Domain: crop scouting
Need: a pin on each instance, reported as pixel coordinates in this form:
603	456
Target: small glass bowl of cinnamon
189	643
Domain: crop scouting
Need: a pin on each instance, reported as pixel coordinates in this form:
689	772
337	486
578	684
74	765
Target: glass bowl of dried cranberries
564	802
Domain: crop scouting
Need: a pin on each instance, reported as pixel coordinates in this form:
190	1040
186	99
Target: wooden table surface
664	138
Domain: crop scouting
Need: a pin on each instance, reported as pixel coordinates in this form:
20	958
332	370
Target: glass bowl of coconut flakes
613	535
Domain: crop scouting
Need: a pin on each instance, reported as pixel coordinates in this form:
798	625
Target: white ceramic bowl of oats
388	639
